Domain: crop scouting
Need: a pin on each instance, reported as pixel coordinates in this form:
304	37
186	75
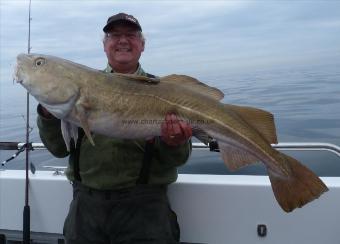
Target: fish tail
300	187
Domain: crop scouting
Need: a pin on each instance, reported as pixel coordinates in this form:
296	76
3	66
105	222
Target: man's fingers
174	131
171	126
186	129
164	127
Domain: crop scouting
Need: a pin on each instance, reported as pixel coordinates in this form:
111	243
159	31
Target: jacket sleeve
50	134
173	156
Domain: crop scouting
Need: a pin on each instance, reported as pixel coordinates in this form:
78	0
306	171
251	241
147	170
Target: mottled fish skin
128	106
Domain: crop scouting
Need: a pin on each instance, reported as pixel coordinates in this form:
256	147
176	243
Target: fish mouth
18	73
16	76
23	65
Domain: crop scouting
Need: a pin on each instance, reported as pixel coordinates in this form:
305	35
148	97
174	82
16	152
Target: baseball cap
121	17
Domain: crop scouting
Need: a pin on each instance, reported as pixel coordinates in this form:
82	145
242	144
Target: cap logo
131	19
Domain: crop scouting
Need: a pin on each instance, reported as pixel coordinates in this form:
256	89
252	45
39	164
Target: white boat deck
211	208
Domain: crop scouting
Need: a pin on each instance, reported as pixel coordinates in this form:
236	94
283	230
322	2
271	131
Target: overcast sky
190	37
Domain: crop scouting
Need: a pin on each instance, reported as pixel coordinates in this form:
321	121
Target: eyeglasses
115	36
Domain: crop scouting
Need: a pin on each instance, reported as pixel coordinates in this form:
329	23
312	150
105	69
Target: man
120	185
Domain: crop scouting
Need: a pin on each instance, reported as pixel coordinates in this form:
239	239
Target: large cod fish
129	106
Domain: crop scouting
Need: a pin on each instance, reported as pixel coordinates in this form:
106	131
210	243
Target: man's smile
123	49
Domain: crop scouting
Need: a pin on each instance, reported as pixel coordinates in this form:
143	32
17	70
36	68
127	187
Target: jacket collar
139	70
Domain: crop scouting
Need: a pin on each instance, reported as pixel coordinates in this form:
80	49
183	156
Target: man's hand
175	132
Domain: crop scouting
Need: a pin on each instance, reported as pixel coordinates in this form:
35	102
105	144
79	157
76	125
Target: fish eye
39	62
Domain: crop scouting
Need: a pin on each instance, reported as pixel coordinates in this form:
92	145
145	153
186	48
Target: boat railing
288	146
213	146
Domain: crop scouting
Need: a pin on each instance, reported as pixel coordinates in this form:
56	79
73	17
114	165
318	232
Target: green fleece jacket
114	163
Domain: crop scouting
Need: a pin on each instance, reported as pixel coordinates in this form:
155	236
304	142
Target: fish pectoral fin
194	85
259	119
235	158
298	188
82	117
201	135
68	132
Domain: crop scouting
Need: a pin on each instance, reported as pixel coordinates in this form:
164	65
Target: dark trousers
140	214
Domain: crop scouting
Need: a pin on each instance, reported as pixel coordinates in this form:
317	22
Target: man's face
123	45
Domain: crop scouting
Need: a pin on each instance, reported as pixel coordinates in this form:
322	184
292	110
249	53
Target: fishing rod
27	212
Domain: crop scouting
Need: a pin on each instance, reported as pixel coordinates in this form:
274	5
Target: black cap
121	17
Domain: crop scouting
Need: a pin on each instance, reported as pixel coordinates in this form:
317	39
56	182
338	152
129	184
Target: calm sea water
304	100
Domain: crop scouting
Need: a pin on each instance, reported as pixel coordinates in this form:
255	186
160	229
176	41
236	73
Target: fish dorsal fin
139	78
194	85
259	119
